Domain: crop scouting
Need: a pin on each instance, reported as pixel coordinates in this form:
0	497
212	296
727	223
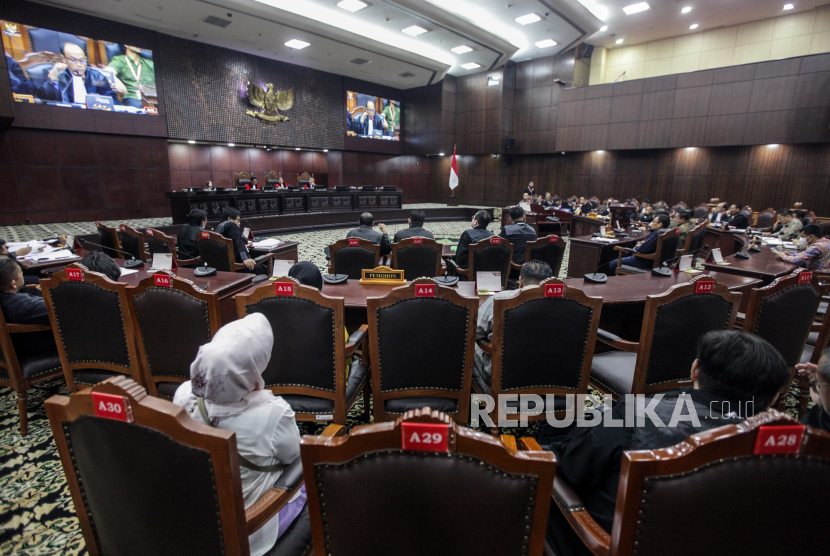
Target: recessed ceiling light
297	149
788	6
470	66
440	154
620	41
686	10
603	29
352	5
231	145
547	43
528	19
414	31
296	44
693	26
636	8
192	142
325	150
773	146
463	49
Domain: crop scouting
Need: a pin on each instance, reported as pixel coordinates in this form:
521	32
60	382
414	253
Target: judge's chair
418	257
243	180
93	326
665	250
413	503
351	255
108	239
491	254
172	319
421	339
159	242
159	482
22	366
308	360
563	323
666	494
549	249
132	242
673	322
217	251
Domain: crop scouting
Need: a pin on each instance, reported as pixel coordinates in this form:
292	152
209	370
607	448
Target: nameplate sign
75	274
284	288
382	275
425	290
163	261
121	227
162	280
353	242
425	437
779	440
205	235
417	241
554	290
805	277
704	287
110	406
149	232
553	239
496	240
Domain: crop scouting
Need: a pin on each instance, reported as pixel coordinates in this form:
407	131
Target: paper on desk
489	282
281	267
268	243
716	254
604	239
772	241
18	245
127	271
51	256
685	263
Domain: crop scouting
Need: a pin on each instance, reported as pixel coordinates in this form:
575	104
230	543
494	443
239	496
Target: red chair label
425	437
552	239
283	288
417	241
121	227
704	287
495	240
149	232
352	242
805	277
425	290
205	235
110	406
75	274
162	280
779	440
554	290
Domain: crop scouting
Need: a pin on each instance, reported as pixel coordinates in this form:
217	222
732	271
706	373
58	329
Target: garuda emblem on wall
270	102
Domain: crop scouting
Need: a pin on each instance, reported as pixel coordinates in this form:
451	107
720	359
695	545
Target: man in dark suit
518	233
416	227
19	82
365	231
229	228
720	214
72	80
370	121
737	219
24	305
478	231
189	233
530	190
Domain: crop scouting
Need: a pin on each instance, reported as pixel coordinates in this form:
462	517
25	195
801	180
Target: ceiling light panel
636	8
414	31
693	26
547	43
463	49
528	19
470	66
352	5
296	44
686	10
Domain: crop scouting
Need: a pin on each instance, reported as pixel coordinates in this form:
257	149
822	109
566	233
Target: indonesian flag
453	172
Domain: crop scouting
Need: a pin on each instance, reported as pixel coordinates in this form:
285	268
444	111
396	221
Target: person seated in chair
416	227
648	215
533	273
737	219
525	202
254	183
816	255
369	122
478	231
23	304
365	231
819	377
226	390
133	73
189	233
518	233
682	221
648	246
72	79
230	228
19	82
736	375
584	207
790	228
280	183
98	261
547	200
4	252
719	214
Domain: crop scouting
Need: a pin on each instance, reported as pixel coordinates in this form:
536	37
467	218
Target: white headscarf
227	371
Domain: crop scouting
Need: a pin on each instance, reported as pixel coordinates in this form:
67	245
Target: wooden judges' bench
261	203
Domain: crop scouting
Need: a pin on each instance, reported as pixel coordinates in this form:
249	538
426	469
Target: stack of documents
269	243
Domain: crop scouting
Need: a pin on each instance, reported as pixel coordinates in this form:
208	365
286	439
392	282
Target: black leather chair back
493	258
765	220
697	240
669	248
243	182
303	352
105	238
129	243
90	323
214	253
422	344
173	325
122	468
156	245
352	260
806	221
420	503
418	261
551	253
785	320
701	212
560	329
46	40
677	328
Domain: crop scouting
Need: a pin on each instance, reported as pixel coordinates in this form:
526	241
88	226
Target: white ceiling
664	18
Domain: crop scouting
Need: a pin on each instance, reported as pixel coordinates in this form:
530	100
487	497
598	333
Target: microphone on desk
664	269
740	254
753	247
131	263
596	277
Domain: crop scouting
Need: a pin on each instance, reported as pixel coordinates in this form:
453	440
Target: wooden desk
763	266
586	255
578	225
46	266
447	252
285	252
728	242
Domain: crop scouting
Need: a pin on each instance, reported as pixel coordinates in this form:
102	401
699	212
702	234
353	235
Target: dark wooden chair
694	239
701	211
418	257
549	249
242	179
217	251
665	250
418	502
673	322
308	360
563	323
171	323
351	255
159	242
765	219
93	326
132	241
664	494
421	348
21	371
162	483
491	254
108	238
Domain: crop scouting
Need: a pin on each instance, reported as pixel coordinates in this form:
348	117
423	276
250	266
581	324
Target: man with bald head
71	80
370	121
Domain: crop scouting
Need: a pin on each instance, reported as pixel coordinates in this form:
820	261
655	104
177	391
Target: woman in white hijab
226	386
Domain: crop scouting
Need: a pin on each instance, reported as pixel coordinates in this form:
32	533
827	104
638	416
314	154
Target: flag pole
453	202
